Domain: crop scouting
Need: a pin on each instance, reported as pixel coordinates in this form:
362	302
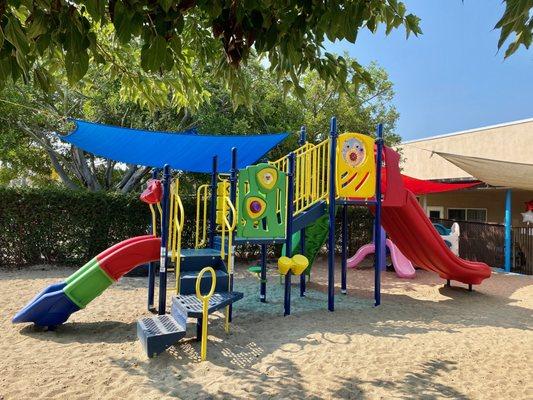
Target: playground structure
279	202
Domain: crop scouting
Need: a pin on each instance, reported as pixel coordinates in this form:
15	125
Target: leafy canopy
30	118
144	41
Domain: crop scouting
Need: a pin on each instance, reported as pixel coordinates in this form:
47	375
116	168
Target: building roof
510	142
483	128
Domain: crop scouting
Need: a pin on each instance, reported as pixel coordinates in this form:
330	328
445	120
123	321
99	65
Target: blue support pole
383	249
508	226
164	239
378	259
233	199
213	205
301	142
263	275
288	240
331	238
152	265
344	256
302	252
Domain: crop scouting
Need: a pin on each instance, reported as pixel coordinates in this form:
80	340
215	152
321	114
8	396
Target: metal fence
479	241
523	250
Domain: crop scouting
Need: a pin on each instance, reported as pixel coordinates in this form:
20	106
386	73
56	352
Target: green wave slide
316	235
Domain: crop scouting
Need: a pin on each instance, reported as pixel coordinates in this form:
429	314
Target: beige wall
511	142
491	199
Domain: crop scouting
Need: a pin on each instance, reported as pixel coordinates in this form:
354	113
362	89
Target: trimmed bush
61	226
66	227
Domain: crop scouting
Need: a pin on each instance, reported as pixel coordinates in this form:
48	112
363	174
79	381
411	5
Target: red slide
413	233
418	240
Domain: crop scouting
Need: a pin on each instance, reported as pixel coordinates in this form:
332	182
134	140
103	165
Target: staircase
193	261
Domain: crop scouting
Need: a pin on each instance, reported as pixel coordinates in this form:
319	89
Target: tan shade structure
494	172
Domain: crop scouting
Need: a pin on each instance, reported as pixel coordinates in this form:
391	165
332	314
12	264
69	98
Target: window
468	214
436	212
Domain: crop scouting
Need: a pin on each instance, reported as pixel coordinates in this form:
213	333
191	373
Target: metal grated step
193	306
159	332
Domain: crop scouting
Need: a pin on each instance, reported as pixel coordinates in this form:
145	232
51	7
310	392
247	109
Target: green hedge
61	226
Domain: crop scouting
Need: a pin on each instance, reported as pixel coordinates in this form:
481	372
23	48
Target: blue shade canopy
186	151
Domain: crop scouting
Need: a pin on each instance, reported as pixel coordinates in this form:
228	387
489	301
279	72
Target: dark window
457	214
468	214
476	215
434	214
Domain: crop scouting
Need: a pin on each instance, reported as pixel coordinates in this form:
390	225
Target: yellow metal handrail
283	163
177	221
154	217
311	175
205	306
202	195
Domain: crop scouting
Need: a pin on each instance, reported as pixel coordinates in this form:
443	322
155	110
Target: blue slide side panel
50	308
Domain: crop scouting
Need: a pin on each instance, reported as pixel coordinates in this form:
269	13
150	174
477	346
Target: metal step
196	259
193	306
159	332
188	282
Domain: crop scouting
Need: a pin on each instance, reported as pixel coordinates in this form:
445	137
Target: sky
452	77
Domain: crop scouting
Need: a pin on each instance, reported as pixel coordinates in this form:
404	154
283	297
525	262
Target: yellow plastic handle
213	283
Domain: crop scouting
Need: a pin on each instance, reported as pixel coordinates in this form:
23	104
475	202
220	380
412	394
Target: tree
157	47
36	116
518	20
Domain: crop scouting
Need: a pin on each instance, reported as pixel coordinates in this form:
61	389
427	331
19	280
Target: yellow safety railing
228	226
283	163
205	306
311	175
177	221
202	197
154	217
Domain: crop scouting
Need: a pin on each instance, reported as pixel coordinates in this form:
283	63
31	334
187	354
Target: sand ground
424	342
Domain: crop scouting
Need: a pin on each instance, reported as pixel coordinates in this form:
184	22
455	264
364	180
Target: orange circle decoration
353	152
267	177
255	207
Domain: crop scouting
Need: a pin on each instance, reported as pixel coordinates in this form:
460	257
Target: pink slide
403	267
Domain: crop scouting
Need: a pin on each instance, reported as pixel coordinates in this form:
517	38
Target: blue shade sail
186	151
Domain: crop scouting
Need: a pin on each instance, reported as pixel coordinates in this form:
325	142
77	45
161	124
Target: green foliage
61	226
164	46
359	108
518	20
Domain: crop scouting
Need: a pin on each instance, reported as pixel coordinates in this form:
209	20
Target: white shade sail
494	172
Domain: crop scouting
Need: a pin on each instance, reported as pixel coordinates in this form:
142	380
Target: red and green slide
57	302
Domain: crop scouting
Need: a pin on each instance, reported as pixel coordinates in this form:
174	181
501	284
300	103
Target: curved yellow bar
205	306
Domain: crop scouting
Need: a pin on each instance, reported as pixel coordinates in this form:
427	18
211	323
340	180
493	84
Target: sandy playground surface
424	342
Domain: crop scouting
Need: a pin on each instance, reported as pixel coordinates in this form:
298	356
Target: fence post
508	223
